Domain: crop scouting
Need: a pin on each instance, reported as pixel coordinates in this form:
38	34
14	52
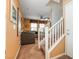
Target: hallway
36	22
30	51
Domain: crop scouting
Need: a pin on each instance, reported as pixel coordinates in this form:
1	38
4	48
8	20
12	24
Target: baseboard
58	56
69	55
17	52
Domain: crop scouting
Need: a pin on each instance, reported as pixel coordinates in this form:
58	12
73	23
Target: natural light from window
33	26
41	27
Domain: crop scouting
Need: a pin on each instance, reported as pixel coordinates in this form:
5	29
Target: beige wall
59	49
66	1
12	40
26	25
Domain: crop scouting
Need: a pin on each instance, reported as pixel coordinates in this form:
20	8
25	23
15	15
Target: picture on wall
13	13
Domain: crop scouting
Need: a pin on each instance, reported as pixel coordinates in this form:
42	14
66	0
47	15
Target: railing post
39	38
50	38
46	43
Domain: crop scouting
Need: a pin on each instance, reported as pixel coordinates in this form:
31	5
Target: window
33	26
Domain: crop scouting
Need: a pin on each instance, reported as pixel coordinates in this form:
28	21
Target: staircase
51	38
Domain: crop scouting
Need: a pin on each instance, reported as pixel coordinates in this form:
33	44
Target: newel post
38	38
46	43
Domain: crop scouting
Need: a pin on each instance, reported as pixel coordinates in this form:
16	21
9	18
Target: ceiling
35	8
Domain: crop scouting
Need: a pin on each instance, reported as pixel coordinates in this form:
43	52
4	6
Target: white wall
2	28
57	12
68	8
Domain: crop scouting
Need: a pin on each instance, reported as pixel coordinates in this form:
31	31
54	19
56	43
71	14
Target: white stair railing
55	33
53	36
41	36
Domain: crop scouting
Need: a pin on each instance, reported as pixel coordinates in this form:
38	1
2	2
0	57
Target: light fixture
53	1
